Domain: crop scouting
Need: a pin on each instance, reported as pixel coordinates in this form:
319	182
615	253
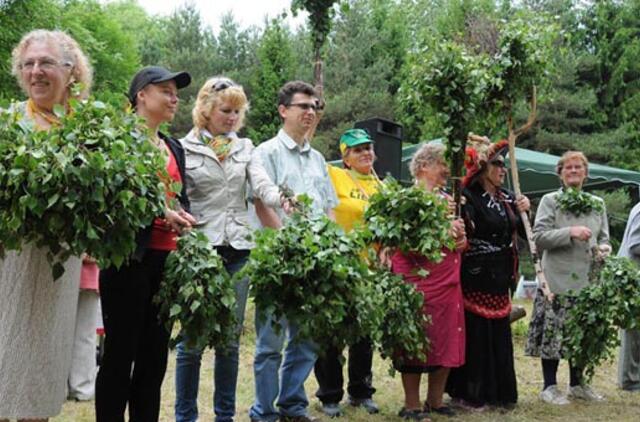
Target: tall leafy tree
236	49
148	33
275	67
365	52
320	15
107	45
191	46
17	17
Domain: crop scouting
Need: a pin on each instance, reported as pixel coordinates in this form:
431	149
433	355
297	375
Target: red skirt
442	303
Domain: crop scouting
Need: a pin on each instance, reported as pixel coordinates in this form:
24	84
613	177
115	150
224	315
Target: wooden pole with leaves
452	81
320	14
518	66
515	178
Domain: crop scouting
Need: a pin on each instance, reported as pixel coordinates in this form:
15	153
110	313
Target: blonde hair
427	155
208	98
71	52
571	155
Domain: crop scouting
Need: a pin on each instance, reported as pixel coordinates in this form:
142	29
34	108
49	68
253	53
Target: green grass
619	405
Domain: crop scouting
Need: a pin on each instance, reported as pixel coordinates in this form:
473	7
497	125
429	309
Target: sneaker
584	392
368	404
414	415
552	395
332	410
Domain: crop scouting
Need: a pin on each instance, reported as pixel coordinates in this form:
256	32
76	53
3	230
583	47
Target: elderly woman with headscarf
570	234
37	316
136	341
442	299
489	266
220	168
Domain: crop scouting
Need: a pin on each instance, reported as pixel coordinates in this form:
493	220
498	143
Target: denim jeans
288	388
226	363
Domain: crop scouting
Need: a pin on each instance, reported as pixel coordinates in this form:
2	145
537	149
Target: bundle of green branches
590	334
316	276
87	185
401	331
411	219
198	292
310	272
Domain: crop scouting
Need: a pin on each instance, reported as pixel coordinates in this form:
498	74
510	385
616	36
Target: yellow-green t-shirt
353	190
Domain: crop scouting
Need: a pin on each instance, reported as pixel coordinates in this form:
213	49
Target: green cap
353	137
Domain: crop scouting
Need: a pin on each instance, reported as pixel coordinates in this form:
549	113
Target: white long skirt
37	321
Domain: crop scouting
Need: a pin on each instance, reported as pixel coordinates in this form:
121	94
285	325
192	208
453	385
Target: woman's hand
459	233
522	203
580	232
384	256
602	252
179	221
87	259
452	205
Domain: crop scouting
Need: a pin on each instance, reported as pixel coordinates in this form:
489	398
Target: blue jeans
299	358
226	363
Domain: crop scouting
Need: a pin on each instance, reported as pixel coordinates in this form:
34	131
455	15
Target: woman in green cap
354	184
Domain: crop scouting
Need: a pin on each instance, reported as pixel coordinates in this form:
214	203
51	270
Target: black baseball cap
155	75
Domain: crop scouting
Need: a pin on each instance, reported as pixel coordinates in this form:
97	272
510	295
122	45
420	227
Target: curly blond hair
427	155
68	48
209	98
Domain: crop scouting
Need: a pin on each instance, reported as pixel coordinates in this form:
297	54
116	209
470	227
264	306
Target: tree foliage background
591	100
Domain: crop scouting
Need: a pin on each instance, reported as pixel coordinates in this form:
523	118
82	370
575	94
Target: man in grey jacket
629	362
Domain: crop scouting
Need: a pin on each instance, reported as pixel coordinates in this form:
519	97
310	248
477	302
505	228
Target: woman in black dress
488	272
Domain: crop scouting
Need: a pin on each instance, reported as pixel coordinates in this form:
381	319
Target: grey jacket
566	261
217	190
631	240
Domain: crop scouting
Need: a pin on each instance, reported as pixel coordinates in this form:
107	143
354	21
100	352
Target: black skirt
488	375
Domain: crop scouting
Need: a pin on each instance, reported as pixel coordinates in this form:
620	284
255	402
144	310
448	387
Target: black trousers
328	371
136	343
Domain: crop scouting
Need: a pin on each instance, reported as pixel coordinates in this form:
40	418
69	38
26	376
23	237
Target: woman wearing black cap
134	336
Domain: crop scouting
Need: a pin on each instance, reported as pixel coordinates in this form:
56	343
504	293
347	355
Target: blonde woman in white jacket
220	167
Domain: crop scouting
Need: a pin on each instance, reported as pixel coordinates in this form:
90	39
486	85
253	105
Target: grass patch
619	405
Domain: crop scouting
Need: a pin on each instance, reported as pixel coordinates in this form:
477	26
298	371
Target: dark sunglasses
222	84
498	163
304	106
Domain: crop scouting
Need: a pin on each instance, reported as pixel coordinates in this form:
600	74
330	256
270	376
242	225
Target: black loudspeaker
388	145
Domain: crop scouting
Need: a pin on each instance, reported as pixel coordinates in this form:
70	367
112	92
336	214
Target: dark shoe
302	418
333	410
414	415
368	404
442	410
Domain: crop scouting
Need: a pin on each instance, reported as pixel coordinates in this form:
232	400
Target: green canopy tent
538	173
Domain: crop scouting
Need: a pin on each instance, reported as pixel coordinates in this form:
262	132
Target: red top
442	302
163	238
